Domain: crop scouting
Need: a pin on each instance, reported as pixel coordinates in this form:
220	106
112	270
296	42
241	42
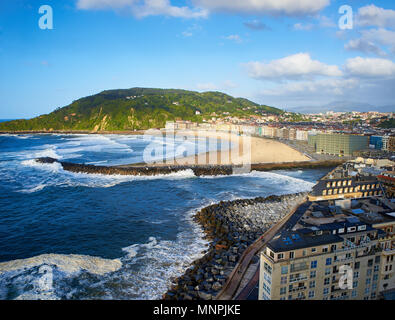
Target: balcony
297	279
344	259
299	267
388	252
298	289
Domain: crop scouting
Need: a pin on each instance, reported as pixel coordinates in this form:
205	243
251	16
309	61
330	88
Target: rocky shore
230	227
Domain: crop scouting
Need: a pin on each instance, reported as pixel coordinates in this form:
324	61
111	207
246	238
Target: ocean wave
144	272
71	263
62	178
42	277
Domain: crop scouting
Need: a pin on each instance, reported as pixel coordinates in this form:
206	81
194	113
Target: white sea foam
71	263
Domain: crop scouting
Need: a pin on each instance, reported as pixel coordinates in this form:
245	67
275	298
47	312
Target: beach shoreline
259	150
242	150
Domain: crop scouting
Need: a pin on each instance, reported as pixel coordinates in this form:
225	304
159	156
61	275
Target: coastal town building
349	181
387	180
331	253
341	243
338	144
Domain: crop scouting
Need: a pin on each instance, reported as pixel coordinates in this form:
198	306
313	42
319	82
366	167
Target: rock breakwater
198	170
139	170
231	227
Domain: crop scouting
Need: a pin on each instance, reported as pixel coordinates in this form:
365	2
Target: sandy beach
238	150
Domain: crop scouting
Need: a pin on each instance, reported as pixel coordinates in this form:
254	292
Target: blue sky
271	51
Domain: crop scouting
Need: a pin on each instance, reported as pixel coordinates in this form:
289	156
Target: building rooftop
293	240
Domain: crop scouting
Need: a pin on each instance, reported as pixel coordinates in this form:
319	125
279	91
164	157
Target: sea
70	235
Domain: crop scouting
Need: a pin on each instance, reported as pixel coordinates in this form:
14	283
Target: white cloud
234	37
382	36
326	22
303	27
296	66
256	25
375	16
319	87
263	7
144	8
370	67
228	84
371	40
206	86
202	8
365	46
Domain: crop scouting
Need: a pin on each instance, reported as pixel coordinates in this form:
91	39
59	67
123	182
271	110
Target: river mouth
145	222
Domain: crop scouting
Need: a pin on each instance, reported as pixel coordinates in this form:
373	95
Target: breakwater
231	227
140	170
198	170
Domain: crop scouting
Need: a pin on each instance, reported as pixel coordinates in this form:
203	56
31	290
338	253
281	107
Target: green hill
139	109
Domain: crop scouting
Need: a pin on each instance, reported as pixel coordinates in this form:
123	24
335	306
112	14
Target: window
325	249
326	291
354	293
357	265
355	284
283	290
327	281
356	274
311	294
284	270
369	272
312	284
292	255
313	274
327	271
328	261
313	250
280	256
314	264
368	280
267	268
284	280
